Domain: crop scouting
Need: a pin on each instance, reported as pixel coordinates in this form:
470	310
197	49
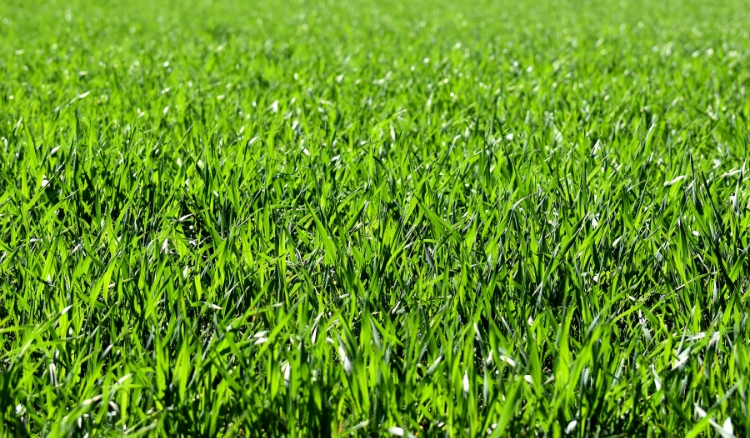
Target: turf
385	218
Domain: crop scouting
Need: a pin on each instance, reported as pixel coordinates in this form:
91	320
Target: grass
385	218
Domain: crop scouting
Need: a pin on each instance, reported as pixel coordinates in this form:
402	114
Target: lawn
374	218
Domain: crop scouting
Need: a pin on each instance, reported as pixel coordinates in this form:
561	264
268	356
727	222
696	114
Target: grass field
374	218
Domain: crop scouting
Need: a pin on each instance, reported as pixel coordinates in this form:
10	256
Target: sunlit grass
330	218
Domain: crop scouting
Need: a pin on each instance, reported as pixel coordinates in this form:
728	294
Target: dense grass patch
320	218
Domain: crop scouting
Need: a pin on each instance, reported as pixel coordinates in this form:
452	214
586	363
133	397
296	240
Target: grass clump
393	218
